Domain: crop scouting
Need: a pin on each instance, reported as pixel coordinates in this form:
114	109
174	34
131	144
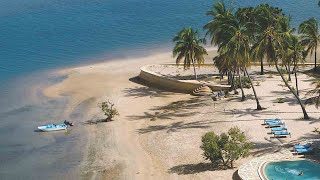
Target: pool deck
251	169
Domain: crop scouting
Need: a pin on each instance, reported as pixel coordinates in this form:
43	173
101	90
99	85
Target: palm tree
295	52
231	32
263	15
219	15
270	43
226	65
188	47
216	29
310	37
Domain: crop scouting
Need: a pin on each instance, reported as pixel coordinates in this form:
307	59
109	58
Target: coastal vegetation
224	149
310	37
188	47
250	34
109	110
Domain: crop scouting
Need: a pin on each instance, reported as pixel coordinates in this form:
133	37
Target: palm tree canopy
273	27
188	47
310	34
295	49
215	27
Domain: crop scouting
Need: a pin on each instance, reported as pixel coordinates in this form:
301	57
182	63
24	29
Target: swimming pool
293	170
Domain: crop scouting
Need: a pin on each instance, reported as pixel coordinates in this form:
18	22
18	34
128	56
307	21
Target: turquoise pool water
290	170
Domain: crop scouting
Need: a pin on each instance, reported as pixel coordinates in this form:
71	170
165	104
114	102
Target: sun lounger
302	146
278	129
272	119
275	124
304	150
281	133
275	121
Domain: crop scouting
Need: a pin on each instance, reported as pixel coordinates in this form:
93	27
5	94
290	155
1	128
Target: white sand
158	134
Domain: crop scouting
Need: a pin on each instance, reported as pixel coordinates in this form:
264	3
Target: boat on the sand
53	127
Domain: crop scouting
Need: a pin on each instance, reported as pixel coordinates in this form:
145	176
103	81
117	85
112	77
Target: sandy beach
158	133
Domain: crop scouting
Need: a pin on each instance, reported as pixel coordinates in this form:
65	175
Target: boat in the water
53	127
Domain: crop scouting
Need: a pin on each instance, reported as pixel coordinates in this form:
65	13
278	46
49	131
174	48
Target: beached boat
53	127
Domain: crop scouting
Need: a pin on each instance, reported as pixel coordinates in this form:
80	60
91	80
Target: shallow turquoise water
289	170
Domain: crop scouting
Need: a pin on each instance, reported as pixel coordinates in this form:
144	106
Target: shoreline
139	143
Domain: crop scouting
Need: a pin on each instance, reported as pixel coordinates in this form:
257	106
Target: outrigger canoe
53	127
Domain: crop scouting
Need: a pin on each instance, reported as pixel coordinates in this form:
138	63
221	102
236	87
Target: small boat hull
53	127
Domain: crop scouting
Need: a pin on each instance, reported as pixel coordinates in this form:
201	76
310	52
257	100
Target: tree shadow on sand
192	168
181	108
186	169
176	126
248	111
96	121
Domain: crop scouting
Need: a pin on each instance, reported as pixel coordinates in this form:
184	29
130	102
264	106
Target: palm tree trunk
229	77
261	72
295	74
234	87
254	91
240	82
289	72
315	59
194	69
305	114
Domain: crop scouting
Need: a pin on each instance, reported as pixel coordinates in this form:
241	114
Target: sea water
37	36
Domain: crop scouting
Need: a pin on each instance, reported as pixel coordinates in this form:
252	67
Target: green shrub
245	82
280	100
283	71
224	149
109	110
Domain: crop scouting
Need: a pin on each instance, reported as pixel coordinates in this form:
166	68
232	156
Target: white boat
53	127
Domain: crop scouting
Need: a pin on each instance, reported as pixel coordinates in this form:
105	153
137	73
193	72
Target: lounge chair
302	146
275	124
274	121
281	133
278	129
304	150
271	120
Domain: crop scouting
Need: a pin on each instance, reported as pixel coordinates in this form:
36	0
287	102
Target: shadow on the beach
176	126
315	139
266	148
181	108
96	121
193	168
248	111
235	176
311	120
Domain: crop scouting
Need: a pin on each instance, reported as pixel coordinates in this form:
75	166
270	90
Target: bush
280	100
226	148
245	82
109	110
283	71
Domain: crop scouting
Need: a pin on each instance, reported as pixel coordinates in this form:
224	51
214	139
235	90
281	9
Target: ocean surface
37	36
